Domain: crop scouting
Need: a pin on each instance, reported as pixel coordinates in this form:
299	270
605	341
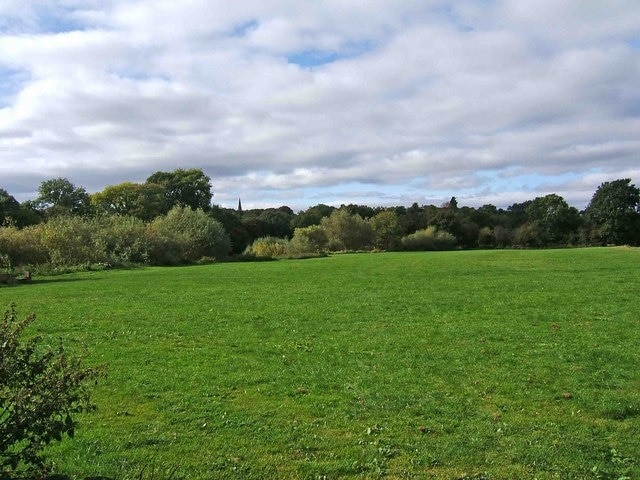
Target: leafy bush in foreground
40	389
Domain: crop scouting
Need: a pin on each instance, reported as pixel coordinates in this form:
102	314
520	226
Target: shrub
268	247
503	236
486	238
122	239
388	229
185	236
68	241
429	239
40	389
311	239
528	235
347	232
23	247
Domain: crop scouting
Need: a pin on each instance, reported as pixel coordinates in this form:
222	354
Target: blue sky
382	102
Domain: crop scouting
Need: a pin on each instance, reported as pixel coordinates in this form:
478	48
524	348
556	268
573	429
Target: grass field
452	365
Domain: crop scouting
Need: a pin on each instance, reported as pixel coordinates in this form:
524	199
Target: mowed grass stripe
502	364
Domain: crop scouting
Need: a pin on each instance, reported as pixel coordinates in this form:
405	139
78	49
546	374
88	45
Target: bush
122	239
311	239
429	239
23	247
40	389
347	232
69	241
185	236
268	247
486	238
528	235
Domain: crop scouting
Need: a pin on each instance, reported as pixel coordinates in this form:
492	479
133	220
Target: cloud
377	100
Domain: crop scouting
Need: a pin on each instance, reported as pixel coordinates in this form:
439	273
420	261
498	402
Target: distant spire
239	206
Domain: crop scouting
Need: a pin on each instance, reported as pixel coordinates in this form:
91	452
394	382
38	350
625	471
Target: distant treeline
169	219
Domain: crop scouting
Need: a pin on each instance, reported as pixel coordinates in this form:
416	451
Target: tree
347	232
268	222
186	188
364	211
614	213
517	215
311	239
557	222
388	229
9	207
185	235
41	390
312	215
230	220
58	196
145	201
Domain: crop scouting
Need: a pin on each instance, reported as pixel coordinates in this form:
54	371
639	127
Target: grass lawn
453	365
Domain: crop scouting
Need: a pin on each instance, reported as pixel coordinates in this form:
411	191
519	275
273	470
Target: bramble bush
41	389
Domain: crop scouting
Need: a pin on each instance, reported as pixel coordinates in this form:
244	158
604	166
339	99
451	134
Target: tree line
170	219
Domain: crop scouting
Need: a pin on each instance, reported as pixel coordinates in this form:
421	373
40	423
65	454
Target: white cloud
396	96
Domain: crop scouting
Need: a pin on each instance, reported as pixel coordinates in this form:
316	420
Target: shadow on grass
58	280
47	280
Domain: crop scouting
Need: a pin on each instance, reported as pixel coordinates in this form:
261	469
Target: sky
300	102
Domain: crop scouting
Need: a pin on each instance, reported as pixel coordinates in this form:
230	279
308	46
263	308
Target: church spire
239	206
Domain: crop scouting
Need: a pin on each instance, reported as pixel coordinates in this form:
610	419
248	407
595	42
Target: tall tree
312	215
614	213
59	196
143	200
388	229
9	207
347	232
556	220
187	188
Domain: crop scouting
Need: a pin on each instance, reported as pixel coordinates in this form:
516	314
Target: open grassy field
475	365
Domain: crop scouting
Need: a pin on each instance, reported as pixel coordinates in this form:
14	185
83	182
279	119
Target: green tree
312	215
185	235
364	211
347	232
187	188
230	220
614	213
557	222
9	208
270	222
311	239
516	215
388	229
145	201
58	196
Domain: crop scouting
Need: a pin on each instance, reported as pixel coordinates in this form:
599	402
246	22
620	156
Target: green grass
487	364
